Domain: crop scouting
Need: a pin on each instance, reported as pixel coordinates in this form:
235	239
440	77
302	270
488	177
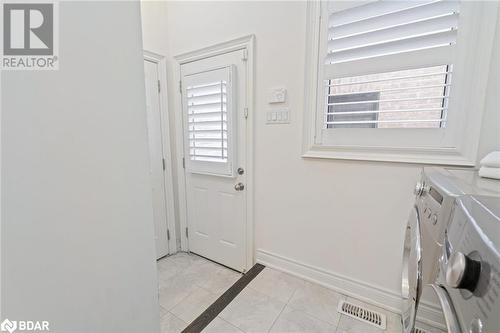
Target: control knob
462	272
420	189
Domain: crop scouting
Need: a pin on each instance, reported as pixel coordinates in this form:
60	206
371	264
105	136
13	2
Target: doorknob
239	187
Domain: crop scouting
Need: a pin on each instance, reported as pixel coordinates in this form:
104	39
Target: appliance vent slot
360	313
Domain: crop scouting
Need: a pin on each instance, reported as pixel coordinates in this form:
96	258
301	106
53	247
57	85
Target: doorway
159	153
216	90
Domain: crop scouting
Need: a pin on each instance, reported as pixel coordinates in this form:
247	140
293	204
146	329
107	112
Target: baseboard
361	290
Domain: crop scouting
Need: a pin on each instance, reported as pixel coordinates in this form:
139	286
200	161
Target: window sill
436	156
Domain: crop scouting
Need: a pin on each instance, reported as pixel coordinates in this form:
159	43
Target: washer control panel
431	206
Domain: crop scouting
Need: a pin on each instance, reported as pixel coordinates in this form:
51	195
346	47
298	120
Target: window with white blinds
208	107
207	118
399	81
389	64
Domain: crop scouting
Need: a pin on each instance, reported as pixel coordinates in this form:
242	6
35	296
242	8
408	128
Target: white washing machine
436	193
469	275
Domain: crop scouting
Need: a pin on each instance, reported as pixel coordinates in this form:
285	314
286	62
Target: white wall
77	225
490	133
344	217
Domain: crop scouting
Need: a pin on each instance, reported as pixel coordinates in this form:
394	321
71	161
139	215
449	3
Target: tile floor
272	302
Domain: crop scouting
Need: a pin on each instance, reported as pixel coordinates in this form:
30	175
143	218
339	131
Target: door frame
243	43
161	62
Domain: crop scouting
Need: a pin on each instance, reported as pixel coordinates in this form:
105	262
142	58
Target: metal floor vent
362	314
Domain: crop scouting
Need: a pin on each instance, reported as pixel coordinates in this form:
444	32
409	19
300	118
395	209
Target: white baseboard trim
364	291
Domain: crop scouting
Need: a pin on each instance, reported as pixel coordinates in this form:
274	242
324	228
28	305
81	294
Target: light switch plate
277	95
278	116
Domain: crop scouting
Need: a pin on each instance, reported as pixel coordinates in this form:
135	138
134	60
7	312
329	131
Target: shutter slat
370	10
206	108
207	112
413	14
201	139
208	116
385	121
206	100
205	94
208	122
206	127
214	145
398	78
389	100
422	87
384	111
394	47
207	85
442	23
217	131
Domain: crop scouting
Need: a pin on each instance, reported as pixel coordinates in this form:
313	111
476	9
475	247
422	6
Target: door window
209	127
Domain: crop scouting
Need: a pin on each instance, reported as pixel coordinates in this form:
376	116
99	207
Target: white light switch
278	116
277	95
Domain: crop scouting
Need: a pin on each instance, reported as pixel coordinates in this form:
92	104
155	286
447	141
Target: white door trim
165	131
244	43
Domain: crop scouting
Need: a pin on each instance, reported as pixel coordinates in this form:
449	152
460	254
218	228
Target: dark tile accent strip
213	310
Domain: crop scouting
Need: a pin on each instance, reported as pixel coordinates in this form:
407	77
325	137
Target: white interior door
213	99
157	162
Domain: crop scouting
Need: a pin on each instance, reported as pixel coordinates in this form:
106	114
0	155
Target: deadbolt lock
240	171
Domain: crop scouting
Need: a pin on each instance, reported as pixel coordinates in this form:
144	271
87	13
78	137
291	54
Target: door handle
239	187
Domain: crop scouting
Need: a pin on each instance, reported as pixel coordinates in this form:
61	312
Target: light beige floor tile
174	290
276	284
219	325
252	311
171	324
351	325
194	304
317	301
219	280
193	275
168	268
200	272
291	320
185	260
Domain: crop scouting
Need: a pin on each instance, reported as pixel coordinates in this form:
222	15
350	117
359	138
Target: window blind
401	52
207	121
391	27
209	125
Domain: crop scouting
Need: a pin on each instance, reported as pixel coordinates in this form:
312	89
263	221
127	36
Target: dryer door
411	281
443	318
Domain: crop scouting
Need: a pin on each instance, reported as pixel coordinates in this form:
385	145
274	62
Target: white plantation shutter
397	80
388	64
209	127
391	27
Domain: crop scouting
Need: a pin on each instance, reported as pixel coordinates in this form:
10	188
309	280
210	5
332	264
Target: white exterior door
157	164
214	100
